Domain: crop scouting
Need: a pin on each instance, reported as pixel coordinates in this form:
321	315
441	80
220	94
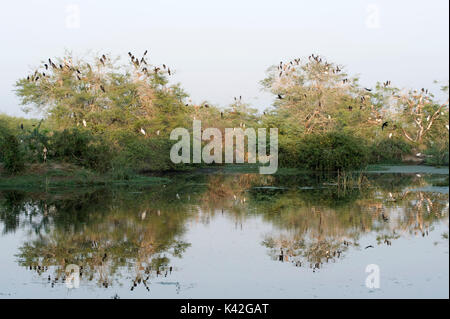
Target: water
215	235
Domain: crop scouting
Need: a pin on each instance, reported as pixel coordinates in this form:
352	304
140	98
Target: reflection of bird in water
281	256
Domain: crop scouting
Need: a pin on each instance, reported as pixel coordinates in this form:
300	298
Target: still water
231	235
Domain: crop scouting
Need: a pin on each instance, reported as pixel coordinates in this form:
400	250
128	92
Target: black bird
370	246
102	61
46	66
368	90
102	88
21	126
168	70
280	97
145	52
350	108
385	124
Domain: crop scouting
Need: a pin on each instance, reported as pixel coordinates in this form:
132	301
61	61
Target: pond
231	235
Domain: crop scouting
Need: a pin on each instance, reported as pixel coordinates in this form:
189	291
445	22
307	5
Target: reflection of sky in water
227	258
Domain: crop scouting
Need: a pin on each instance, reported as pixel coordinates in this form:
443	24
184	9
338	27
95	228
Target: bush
332	151
388	151
81	148
437	154
142	154
11	154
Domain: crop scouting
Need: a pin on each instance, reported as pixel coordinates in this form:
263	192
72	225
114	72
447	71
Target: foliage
389	151
82	148
332	151
11	154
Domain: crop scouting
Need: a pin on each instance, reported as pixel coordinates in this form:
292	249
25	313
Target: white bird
419	154
178	196
418	175
446	126
157	132
84	123
143	215
142	131
390	135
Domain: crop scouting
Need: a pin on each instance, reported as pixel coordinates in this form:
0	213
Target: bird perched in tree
385	124
280	97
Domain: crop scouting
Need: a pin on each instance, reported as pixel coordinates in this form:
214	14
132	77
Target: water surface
239	235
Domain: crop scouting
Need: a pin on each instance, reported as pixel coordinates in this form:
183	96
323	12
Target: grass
52	175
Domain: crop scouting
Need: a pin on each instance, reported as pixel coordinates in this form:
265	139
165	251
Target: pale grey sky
221	49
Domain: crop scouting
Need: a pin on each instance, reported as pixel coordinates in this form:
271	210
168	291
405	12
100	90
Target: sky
222	49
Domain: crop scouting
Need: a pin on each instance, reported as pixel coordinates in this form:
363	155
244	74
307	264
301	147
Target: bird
145	52
143	131
385	124
84	123
368	90
370	246
390	135
157	132
280	97
102	88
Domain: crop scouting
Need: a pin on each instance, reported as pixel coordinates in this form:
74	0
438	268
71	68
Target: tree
314	96
102	96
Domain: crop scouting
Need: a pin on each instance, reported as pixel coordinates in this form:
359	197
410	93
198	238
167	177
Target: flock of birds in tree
142	65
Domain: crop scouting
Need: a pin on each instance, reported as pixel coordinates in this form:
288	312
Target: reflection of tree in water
103	232
312	233
139	230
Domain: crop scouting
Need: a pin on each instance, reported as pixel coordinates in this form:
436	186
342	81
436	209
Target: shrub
11	154
332	151
82	148
388	151
142	154
437	154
